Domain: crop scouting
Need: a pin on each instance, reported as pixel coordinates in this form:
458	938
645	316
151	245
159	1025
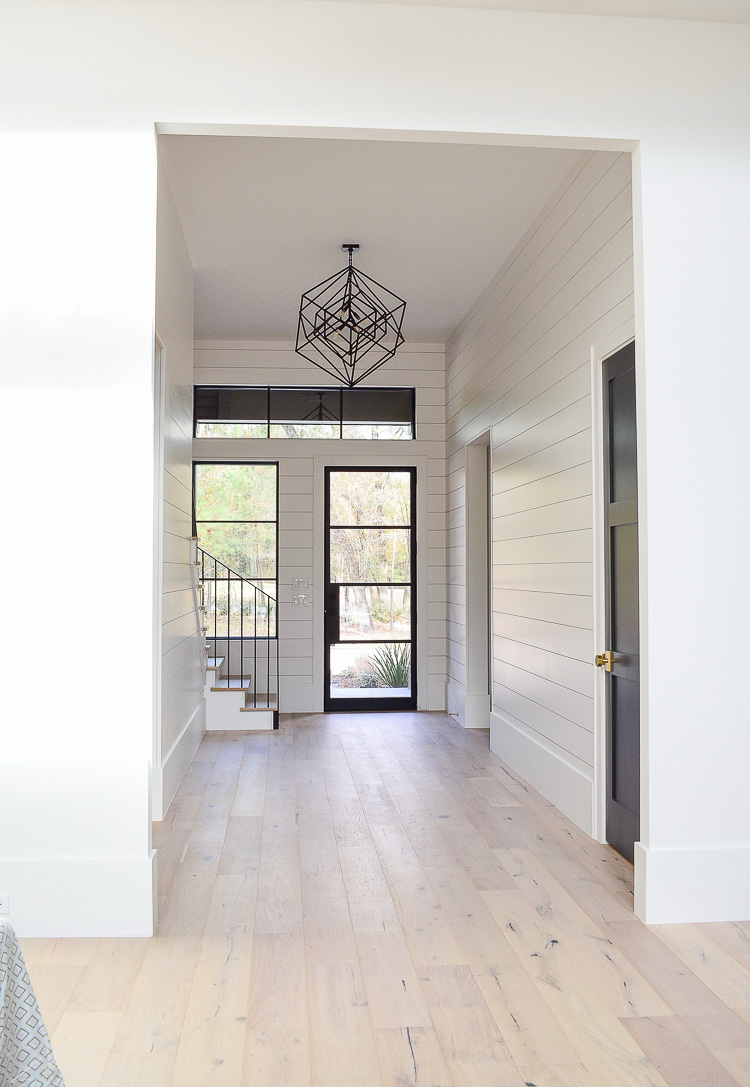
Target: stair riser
260	721
223	713
223	709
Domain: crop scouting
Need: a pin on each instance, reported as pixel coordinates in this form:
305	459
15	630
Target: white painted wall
520	364
83	85
77	449
181	712
301	503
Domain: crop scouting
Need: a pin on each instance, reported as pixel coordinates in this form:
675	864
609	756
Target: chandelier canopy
349	324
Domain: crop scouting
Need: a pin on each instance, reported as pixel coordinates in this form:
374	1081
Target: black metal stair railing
241	613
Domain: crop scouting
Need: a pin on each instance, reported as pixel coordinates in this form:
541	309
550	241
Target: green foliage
361	431
230	501
231	430
370	554
248	549
391	665
370	498
235	492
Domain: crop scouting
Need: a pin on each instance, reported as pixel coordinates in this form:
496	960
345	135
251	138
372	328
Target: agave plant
391	664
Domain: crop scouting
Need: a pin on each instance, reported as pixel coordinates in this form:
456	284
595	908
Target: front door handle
332	614
605	660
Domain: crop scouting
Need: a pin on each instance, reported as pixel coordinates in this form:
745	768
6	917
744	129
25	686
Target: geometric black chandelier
349	324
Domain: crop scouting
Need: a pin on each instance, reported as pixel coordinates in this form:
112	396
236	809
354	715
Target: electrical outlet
4	904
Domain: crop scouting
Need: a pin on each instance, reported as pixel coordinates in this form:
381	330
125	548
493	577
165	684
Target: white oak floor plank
212	1040
277	1049
82	1042
411	1057
677	1053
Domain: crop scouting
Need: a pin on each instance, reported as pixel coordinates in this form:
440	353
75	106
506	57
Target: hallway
375	901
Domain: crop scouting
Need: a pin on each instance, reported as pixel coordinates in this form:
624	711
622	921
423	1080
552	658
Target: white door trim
478	545
601	350
159	392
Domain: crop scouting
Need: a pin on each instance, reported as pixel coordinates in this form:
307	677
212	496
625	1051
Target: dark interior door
622	659
370	582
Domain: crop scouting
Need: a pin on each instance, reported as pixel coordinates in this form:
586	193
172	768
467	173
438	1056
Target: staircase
237	620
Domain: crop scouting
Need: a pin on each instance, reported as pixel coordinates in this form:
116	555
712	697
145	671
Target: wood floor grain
375	900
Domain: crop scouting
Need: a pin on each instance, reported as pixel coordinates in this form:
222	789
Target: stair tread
214	662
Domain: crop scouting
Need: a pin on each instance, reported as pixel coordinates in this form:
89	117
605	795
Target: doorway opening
370	589
490	371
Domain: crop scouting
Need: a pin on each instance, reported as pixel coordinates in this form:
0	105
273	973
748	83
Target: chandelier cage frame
349	320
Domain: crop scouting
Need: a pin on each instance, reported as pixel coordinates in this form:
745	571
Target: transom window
266	411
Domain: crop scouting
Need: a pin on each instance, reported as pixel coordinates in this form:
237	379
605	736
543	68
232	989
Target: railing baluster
255	648
229	623
242	633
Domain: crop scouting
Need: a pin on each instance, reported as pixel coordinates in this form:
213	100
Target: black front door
622	658
370	581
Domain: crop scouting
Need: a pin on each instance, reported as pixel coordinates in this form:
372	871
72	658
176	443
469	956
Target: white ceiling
710	11
264	219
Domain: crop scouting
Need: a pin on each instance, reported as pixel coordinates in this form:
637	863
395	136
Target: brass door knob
605	660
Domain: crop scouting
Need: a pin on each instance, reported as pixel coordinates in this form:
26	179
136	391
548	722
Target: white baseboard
676	886
92	896
563	784
166	778
472	711
455	697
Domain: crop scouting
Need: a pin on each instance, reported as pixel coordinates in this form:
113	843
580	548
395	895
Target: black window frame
260	580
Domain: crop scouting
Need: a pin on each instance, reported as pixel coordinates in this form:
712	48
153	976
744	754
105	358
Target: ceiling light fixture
349	324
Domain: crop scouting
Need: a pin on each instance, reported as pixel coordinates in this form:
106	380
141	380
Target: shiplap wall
182	711
301	501
519	366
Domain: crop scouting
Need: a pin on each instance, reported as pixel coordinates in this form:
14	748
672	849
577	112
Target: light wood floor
375	901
